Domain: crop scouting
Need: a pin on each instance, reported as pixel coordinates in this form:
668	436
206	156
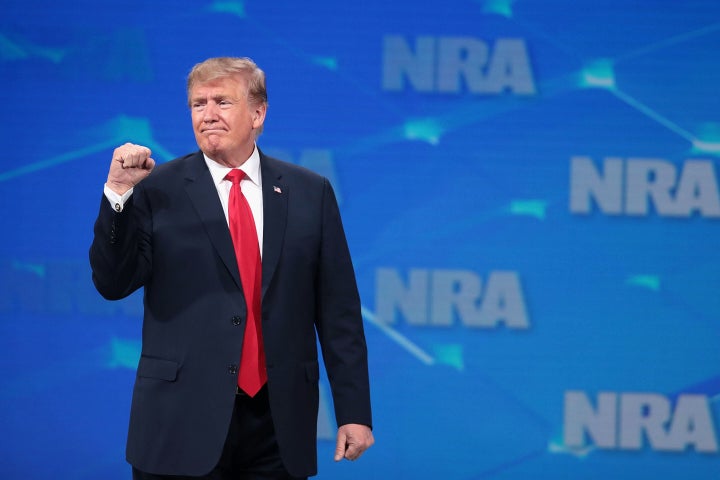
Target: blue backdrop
529	191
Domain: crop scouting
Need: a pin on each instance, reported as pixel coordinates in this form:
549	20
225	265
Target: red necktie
247	251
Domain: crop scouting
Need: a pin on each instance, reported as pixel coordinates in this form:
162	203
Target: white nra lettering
438	297
443	64
631	187
624	421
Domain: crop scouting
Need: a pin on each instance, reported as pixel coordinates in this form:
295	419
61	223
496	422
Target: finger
139	163
132	156
124	152
136	159
340	447
354	450
149	164
142	155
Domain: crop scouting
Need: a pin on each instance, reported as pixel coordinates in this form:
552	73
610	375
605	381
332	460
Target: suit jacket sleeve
120	252
340	326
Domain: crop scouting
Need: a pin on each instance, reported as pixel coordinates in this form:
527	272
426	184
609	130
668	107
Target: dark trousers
250	451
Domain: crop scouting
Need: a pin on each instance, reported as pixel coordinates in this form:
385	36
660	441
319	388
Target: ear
258	115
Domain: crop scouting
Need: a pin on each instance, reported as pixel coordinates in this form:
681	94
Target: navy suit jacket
172	239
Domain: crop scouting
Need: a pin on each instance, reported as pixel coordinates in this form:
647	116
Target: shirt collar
251	167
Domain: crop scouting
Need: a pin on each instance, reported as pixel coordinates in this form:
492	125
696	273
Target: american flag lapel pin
276	189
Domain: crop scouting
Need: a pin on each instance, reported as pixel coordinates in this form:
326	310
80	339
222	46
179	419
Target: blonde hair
219	67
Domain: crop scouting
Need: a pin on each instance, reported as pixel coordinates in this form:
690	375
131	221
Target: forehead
234	85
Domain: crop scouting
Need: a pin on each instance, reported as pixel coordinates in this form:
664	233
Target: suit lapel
204	197
275	198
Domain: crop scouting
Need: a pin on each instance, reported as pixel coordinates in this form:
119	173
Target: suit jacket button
232	369
237	320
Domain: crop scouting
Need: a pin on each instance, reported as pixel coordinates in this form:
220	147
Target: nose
210	112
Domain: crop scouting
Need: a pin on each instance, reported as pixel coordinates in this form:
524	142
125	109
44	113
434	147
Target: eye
197	107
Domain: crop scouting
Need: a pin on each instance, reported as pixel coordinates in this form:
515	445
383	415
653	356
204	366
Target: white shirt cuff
117	201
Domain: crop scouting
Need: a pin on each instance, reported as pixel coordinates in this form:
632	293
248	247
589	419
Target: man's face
223	121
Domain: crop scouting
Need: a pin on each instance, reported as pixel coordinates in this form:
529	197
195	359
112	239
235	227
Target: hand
130	165
352	441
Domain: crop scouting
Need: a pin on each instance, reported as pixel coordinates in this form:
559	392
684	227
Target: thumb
340	446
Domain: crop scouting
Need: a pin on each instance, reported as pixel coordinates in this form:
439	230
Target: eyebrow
216	98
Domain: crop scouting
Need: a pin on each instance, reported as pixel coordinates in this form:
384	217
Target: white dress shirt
251	187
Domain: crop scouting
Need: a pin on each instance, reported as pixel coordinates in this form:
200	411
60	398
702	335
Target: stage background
529	191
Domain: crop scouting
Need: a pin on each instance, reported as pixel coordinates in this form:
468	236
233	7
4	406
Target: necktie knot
235	176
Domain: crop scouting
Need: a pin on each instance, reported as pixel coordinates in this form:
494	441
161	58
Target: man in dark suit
167	229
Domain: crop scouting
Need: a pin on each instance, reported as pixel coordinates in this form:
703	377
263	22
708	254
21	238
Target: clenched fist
129	166
352	441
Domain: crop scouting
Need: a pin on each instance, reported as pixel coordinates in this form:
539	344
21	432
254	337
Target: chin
210	149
